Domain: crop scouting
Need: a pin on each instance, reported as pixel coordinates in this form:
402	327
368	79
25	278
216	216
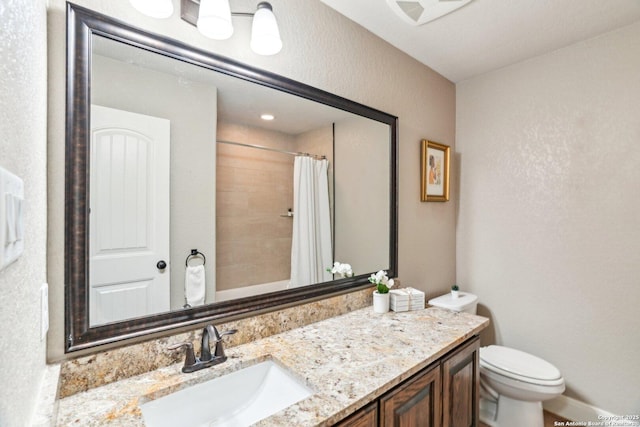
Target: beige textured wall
189	106
254	188
23	152
322	49
549	226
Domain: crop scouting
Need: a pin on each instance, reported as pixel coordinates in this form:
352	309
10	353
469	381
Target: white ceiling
485	35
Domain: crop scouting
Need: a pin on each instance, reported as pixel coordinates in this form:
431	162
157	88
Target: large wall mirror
198	188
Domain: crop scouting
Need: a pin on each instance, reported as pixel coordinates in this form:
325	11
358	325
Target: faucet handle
217	336
219	350
210	333
189	358
229	332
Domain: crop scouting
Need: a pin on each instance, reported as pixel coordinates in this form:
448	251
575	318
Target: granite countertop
348	360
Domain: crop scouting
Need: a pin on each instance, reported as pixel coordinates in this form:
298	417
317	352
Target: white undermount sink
239	398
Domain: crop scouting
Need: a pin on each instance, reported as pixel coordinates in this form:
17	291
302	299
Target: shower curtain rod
260	147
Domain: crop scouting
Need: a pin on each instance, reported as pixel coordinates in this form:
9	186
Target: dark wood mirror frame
81	25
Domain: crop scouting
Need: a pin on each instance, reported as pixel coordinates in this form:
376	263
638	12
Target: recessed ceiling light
267	117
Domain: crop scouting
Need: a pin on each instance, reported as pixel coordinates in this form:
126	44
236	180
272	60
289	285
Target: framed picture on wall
434	167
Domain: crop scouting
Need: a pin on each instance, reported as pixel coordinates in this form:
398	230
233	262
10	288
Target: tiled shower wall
254	188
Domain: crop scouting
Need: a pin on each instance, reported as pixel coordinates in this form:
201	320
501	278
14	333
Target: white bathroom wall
362	157
322	49
548	230
23	151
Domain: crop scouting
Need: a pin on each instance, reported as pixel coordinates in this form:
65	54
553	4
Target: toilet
513	384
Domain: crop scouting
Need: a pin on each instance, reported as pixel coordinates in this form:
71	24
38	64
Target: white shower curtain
311	252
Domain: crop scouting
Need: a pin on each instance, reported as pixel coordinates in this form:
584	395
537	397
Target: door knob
161	265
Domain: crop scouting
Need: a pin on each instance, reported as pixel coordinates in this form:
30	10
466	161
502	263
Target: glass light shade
154	8
214	19
265	36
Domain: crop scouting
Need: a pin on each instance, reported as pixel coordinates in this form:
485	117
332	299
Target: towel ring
195	253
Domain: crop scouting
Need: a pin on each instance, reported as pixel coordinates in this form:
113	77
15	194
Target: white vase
380	302
455	294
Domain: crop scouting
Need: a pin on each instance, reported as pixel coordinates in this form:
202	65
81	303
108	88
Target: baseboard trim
575	410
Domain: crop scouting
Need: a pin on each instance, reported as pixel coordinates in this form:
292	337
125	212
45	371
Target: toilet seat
519	366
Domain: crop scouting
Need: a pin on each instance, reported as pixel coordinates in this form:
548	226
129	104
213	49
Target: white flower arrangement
344	270
382	282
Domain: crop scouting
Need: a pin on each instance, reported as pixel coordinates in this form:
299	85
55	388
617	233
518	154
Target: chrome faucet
206	359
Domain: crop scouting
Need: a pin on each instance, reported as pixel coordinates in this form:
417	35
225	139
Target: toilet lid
518	363
456	304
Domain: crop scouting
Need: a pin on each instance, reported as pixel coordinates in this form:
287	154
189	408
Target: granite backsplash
112	365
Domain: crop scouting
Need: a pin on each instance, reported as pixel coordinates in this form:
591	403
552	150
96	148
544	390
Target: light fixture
154	8
267	117
213	19
265	36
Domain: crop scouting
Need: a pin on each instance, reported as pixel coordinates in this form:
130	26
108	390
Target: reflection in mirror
199	207
159	198
160	186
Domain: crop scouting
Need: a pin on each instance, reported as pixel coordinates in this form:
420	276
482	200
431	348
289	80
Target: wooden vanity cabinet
461	386
416	402
365	417
445	394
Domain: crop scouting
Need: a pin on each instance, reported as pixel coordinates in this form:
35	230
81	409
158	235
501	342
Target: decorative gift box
406	299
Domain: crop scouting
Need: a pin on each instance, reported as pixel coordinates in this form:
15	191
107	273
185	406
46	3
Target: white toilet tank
465	302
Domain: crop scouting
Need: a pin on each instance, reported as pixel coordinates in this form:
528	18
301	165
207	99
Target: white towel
194	285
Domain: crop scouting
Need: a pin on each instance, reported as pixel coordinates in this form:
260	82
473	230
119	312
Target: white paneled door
129	215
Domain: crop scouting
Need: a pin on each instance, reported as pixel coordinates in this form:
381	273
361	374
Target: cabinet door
365	417
460	386
416	402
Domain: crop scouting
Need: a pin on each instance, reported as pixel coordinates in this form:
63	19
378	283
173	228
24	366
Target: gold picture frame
434	168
